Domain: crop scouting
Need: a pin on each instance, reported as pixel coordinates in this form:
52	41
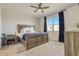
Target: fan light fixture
39	10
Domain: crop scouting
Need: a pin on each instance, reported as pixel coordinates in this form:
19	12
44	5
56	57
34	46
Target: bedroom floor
51	48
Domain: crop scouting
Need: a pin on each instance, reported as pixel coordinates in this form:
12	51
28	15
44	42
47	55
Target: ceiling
26	9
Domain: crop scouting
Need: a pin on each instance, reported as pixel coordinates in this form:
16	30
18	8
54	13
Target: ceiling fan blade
33	6
42	11
45	7
40	4
35	10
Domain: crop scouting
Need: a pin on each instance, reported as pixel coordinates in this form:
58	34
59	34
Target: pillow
23	31
32	30
26	30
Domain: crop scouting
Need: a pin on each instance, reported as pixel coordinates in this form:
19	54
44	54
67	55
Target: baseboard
53	40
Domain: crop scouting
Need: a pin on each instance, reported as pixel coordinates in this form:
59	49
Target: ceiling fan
39	7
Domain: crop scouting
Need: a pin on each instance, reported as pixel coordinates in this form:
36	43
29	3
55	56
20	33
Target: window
53	23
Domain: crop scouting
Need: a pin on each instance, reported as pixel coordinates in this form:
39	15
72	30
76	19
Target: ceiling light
39	10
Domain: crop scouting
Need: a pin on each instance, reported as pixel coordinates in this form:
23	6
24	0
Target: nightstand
3	41
11	38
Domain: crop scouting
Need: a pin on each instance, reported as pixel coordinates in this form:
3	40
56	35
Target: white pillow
32	30
26	30
23	31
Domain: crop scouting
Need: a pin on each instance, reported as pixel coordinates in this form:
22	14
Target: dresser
71	43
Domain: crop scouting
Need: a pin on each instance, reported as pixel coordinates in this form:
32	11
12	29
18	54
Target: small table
11	39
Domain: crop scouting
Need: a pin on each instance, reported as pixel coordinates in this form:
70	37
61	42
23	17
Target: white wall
53	36
71	17
10	19
41	24
0	27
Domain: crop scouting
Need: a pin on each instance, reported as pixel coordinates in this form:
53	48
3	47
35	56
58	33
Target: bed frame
32	40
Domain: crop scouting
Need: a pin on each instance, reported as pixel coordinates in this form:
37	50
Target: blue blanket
33	34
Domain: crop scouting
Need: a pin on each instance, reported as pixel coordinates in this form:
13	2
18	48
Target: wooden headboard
21	26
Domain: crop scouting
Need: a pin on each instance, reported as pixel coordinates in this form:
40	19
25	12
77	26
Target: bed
31	39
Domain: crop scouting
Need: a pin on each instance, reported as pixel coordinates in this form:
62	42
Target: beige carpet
12	49
52	48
